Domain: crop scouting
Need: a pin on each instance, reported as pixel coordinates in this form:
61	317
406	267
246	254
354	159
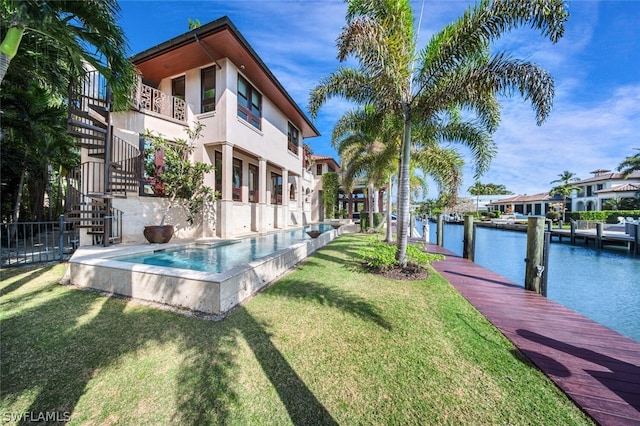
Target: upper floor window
208	89
293	138
178	90
249	103
178	87
589	191
318	169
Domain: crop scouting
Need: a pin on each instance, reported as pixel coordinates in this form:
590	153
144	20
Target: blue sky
595	122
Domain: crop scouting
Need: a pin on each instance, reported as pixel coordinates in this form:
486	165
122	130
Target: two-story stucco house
603	186
253	136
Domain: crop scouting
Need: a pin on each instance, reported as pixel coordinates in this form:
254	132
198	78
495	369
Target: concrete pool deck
210	293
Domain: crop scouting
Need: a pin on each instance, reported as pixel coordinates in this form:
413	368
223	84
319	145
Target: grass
327	344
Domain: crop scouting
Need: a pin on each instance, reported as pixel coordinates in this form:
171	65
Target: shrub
552	215
377	219
381	256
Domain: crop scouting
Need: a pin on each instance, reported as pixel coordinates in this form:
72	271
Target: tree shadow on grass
54	349
320	294
301	404
6	275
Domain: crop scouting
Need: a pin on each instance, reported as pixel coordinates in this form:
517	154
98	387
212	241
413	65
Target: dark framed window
152	166
293	139
253	184
318	169
178	87
237	180
178	90
292	191
208	89
249	103
276	188
218	171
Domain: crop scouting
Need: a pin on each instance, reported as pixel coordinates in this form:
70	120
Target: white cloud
576	137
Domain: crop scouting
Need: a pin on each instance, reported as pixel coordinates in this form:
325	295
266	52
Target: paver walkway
598	368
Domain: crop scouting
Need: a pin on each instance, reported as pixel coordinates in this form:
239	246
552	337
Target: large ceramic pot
157	234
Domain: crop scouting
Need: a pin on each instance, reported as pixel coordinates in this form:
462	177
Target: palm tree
565	189
630	164
477	189
80	31
359	136
453	70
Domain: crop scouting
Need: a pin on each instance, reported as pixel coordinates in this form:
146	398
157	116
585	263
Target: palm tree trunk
9	48
403	191
370	190
389	233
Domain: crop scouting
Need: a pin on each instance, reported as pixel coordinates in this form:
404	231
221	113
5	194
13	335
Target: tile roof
621	188
607	176
544	196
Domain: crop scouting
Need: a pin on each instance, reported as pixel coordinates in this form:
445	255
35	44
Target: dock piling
535	255
440	230
468	242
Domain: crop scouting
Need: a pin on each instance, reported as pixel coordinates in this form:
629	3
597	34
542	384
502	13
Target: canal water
603	285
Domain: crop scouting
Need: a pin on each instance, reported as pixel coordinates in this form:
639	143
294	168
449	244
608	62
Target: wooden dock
607	236
590	235
598	368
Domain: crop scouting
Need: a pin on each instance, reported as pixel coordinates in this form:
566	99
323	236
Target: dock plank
598	368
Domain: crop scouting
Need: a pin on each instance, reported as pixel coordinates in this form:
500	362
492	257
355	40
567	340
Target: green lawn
327	344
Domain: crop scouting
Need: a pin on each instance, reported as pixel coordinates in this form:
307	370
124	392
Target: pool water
224	255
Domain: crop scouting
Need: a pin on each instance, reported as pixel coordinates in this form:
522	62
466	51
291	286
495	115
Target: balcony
146	98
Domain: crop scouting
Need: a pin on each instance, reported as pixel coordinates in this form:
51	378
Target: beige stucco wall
142	211
222	128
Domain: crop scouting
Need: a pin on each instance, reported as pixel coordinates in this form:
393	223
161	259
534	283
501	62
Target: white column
225	213
284	218
262	195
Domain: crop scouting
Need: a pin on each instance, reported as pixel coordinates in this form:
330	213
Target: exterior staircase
110	167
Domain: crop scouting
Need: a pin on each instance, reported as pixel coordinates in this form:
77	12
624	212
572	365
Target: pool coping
94	268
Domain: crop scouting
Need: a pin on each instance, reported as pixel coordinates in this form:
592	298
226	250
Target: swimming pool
174	274
223	256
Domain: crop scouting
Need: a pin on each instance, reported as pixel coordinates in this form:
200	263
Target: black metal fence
26	243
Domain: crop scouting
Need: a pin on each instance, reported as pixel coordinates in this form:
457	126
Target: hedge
609	216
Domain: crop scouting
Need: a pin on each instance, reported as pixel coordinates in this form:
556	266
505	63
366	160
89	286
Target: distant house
536	204
352	203
602	187
481	202
253	136
320	165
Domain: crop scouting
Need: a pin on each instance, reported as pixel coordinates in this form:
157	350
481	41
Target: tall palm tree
565	189
630	164
359	136
80	31
453	70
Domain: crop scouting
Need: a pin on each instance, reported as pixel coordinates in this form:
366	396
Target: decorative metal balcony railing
150	99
